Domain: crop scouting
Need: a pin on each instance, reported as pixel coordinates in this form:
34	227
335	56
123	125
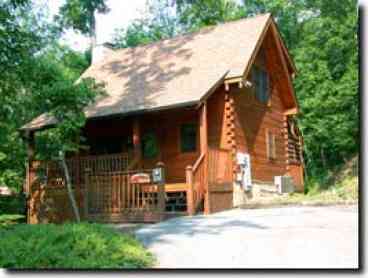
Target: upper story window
260	80
188	138
149	145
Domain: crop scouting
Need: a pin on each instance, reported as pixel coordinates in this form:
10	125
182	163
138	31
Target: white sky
121	13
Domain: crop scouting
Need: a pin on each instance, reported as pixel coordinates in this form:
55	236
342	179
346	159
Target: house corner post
190	191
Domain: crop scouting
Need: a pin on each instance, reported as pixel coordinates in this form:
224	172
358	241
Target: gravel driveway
289	237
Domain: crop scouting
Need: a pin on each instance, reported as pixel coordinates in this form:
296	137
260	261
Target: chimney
100	51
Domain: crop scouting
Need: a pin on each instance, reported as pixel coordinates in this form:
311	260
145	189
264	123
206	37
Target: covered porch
114	178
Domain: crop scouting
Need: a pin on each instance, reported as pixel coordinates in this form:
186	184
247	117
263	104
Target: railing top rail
105	156
219	149
123	172
198	162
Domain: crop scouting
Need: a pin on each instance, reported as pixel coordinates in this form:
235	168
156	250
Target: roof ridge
193	33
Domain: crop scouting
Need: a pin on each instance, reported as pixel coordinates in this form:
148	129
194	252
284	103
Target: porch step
176	202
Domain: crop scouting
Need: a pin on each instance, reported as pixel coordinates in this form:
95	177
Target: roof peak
221	24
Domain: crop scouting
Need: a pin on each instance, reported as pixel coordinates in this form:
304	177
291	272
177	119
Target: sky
121	13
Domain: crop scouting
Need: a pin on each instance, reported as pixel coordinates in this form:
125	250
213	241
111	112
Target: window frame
257	74
181	138
271	145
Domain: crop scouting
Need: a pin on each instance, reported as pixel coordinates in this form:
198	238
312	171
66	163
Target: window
188	138
149	145
105	145
271	145
261	84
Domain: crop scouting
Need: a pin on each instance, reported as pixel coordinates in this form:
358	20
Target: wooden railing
103	187
215	175
219	166
115	192
51	174
294	150
294	145
195	179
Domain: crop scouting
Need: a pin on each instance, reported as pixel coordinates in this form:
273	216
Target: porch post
189	181
30	154
203	136
137	140
30	173
161	191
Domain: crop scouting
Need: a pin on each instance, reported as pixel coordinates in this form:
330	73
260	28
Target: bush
13	204
69	246
10	219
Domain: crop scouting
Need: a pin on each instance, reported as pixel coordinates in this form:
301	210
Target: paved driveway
290	237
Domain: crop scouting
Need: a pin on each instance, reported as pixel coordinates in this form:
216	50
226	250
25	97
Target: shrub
70	246
10	219
13	204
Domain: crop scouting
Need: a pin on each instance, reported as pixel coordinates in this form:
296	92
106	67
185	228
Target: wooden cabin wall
253	119
167	125
217	129
220	194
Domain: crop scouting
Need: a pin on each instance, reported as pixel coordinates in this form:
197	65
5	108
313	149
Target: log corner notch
230	126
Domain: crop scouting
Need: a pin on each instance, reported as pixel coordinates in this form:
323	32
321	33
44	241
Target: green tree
80	16
38	76
159	22
195	14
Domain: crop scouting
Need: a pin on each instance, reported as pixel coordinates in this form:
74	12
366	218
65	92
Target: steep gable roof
172	72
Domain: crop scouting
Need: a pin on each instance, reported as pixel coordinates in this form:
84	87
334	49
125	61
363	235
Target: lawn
70	246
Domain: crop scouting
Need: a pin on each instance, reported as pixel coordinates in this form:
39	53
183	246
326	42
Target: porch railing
195	179
107	193
219	167
51	174
103	186
215	175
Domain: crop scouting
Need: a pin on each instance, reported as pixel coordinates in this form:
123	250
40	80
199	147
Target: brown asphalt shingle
171	72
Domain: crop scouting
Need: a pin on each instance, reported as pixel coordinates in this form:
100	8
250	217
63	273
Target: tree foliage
80	14
159	22
38	76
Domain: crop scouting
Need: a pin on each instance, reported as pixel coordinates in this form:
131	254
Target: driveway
289	237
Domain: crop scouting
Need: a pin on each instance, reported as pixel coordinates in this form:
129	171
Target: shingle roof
171	72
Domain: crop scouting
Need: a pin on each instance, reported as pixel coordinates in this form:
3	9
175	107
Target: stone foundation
258	191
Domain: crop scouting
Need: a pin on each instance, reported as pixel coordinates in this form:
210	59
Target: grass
345	192
70	246
337	187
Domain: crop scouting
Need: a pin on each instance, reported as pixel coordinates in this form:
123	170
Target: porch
122	187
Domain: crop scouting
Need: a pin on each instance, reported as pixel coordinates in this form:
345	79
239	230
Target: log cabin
188	124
